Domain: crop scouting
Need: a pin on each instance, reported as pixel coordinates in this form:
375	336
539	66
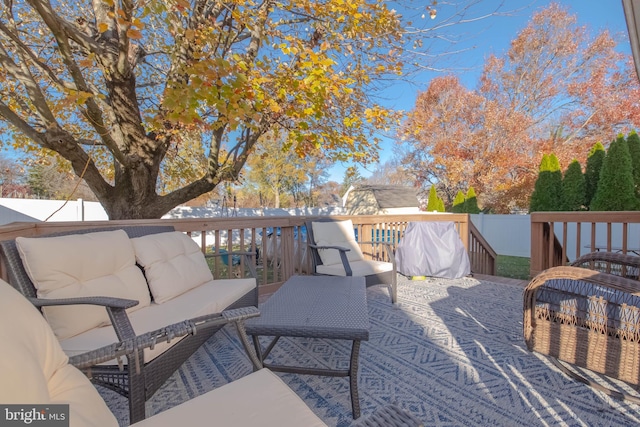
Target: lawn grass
513	266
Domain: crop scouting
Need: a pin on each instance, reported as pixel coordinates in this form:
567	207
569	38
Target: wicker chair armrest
104	354
610	262
388	248
607	280
608	256
340	248
131	347
101	301
391	255
343	256
116	309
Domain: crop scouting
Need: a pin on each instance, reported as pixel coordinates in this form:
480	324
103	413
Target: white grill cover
432	249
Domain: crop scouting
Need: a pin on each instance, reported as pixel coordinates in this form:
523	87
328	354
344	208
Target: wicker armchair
588	319
138	380
350	261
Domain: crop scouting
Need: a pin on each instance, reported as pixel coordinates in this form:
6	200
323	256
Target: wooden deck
266	292
498	279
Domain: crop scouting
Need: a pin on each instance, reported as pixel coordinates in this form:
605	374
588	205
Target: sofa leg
393	293
137	393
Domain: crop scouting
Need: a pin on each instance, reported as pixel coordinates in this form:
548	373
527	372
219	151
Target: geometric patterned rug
450	352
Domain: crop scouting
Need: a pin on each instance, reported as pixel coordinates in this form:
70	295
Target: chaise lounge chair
336	252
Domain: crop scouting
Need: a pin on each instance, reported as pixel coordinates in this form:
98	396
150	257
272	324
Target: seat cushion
358	268
259	399
83	265
35	370
173	264
212	297
336	233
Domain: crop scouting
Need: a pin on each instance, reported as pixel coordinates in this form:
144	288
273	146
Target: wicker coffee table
330	307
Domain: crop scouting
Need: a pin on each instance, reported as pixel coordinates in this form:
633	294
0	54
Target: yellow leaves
74	97
137	23
289	50
102	27
134	34
350	121
274	107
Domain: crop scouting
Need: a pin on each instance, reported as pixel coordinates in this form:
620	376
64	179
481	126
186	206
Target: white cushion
259	399
34	370
173	263
336	233
358	268
83	265
212	297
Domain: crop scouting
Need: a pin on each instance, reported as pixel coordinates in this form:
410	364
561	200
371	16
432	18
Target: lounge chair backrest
312	240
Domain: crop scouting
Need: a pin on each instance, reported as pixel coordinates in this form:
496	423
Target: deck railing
279	243
559	237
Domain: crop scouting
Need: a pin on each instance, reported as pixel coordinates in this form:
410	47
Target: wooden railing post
538	245
464	231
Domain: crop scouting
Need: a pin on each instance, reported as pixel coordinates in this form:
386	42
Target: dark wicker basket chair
138	381
623	265
588	319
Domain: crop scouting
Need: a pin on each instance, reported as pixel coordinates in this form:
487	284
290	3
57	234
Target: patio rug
451	352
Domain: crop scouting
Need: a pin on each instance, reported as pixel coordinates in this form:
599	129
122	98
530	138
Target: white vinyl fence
507	234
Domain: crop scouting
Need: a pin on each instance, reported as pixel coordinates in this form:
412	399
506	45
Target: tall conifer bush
592	172
573	189
458	203
547	191
471	202
615	190
555	183
633	142
537	202
434	203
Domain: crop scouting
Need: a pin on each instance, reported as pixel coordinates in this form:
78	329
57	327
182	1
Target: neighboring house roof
392	196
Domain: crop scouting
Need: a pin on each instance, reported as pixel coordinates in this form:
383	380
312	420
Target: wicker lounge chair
140	379
335	251
588	319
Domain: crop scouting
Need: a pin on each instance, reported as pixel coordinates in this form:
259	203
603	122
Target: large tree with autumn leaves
558	89
155	103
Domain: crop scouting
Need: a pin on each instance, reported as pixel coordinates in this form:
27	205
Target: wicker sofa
588	318
147	278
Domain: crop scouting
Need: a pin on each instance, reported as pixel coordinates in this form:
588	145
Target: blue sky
493	35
